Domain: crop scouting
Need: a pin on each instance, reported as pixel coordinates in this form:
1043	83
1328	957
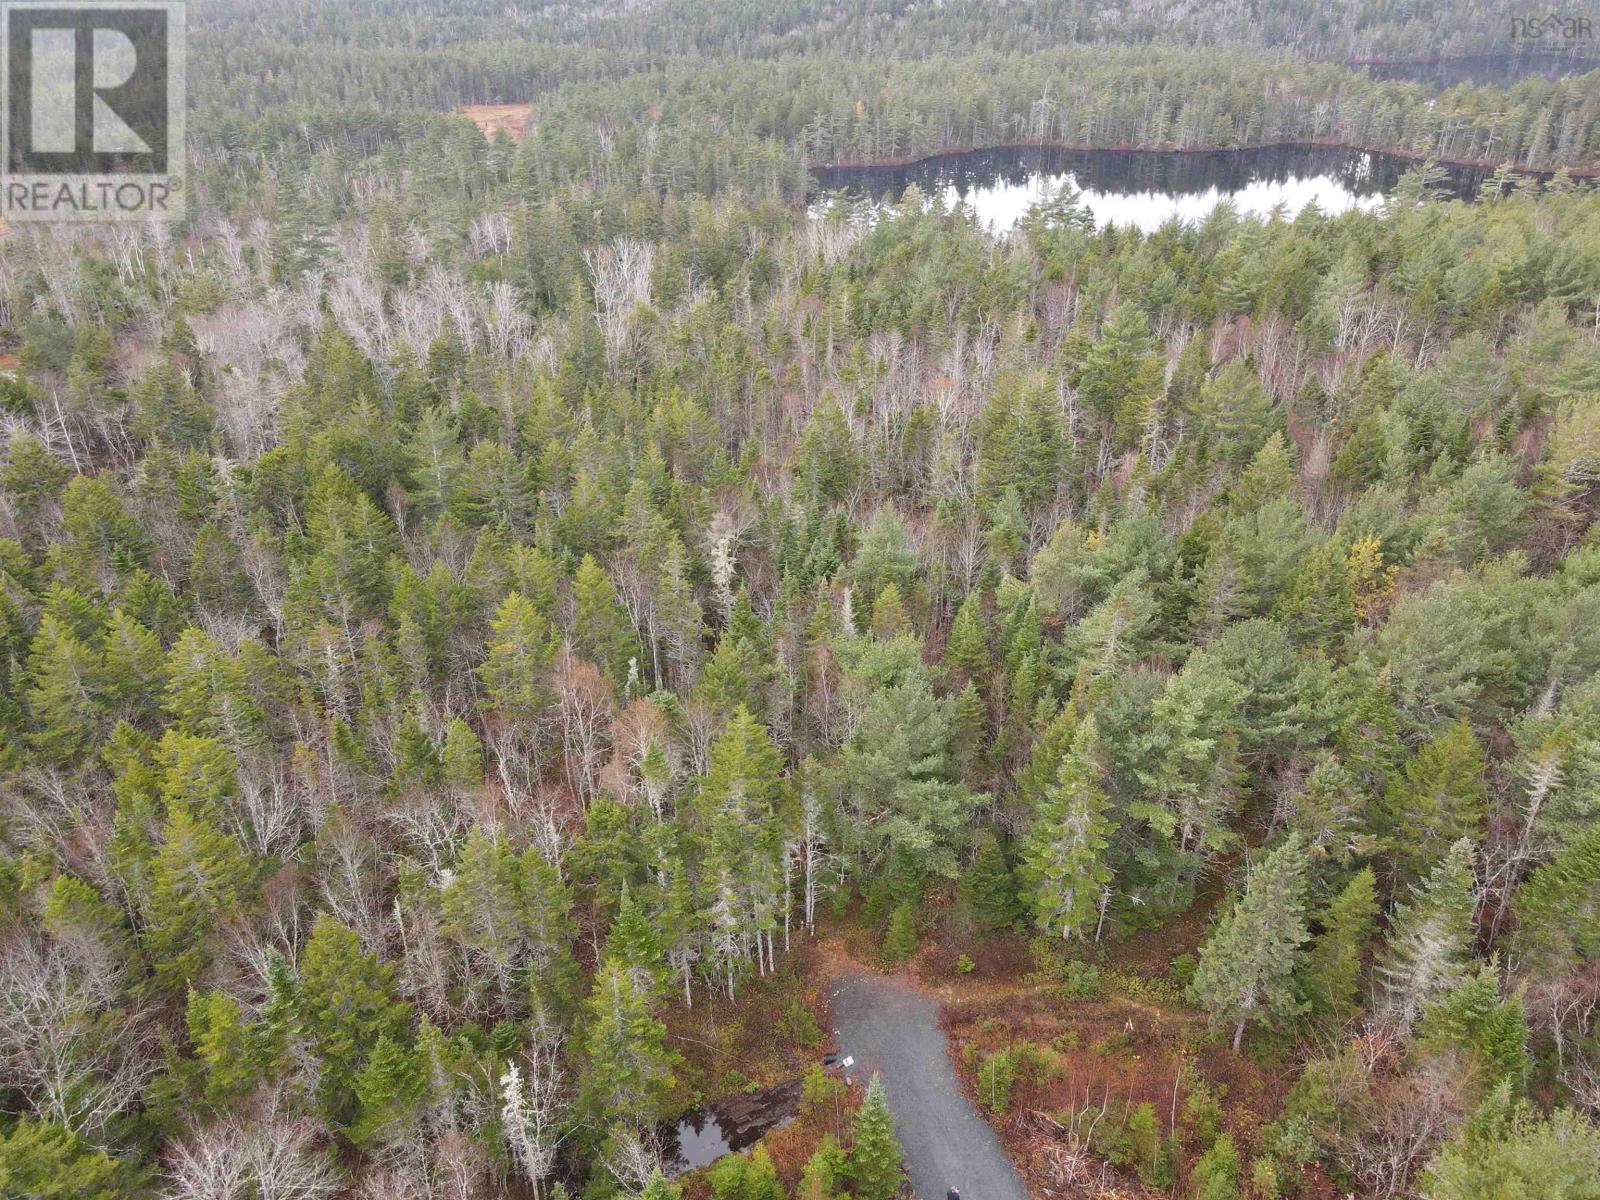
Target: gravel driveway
891	1028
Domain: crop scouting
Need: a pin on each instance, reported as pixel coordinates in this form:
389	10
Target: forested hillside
474	615
717	95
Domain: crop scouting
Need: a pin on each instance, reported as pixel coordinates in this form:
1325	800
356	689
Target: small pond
731	1125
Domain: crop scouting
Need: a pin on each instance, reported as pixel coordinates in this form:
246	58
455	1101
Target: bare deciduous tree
80	1060
271	1155
531	1105
620	274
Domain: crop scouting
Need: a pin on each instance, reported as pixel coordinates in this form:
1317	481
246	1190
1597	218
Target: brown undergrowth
1061	1055
776	1031
772	1032
1089	1046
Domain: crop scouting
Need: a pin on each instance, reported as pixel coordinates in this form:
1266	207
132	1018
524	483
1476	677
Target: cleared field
491	118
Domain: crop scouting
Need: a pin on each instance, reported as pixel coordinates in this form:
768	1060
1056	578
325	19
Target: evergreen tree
989	889
600	630
1270	476
198	878
1440	799
437	461
1472	1019
1558	908
875	1153
1509	1150
824	1171
347	1006
659	1187
515	671
1063	854
387	1090
635	943
64	698
1429	939
1216	1174
737	1177
897	785
889	618
1038	775
967	651
40	1160
218	1032
630	1070
1333	966
900	938
1119	378
1319	608
1247	965
133	672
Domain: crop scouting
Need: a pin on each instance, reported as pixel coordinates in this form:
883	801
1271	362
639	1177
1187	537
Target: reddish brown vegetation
1109	1057
512	119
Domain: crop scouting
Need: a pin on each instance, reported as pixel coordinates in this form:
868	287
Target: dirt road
889	1027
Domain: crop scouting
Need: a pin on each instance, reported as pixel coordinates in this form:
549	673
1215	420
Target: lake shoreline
888	162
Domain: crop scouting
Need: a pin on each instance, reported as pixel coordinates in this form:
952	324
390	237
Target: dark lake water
1498	69
1139	188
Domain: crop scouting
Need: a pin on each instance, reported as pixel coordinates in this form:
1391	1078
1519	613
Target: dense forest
734	95
476	616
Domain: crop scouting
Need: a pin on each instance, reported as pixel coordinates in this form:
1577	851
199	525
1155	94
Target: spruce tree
1474	1020
133	673
218	1032
1440	799
516	668
1063	853
1558	908
889	619
900	938
347	1005
989	889
197	880
1120	376
737	1177
966	654
635	942
1333	966
41	1160
1038	775
1509	1149
387	1090
1429	939
659	1187
1247	965
875	1154
630	1069
64	698
824	1171
600	630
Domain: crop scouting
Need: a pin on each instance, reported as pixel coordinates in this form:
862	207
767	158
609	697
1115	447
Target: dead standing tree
620	274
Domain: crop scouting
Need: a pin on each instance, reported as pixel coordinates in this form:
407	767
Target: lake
1139	188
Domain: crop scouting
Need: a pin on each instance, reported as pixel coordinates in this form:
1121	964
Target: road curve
891	1028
